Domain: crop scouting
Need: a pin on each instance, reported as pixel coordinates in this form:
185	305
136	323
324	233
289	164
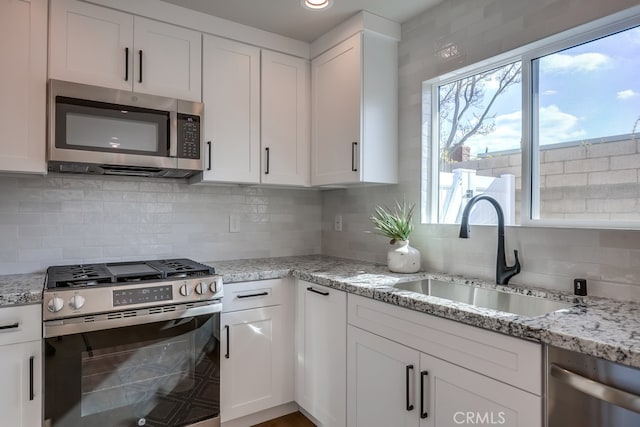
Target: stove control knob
185	290
201	288
216	285
76	302
55	304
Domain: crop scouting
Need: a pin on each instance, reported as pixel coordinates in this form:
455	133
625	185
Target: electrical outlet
234	224
337	223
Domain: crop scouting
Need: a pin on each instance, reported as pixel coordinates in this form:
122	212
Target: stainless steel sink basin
524	305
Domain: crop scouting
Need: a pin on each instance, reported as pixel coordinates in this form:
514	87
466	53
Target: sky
588	91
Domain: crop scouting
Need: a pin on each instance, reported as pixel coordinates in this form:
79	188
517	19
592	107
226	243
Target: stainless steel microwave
107	131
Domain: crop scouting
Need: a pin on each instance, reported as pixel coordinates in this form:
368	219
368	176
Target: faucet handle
516	266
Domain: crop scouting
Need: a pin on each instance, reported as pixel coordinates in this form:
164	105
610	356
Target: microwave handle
173	137
210	149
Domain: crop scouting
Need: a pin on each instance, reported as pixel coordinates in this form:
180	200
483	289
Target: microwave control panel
188	136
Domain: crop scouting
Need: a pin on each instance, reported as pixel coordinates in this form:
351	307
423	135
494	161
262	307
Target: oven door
164	373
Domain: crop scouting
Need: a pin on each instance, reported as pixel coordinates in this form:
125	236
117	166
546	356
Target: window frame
529	144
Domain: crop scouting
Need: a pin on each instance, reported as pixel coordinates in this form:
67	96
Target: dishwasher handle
604	392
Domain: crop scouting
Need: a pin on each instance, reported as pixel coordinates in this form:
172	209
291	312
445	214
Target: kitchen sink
494	299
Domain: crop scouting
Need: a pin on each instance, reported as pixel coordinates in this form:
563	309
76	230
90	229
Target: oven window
98	126
160	374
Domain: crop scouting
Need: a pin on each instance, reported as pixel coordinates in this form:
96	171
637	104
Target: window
578	131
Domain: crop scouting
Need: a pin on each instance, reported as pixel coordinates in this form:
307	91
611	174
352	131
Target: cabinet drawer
511	360
260	293
20	323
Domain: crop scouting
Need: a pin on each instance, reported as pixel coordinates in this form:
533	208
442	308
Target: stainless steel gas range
132	344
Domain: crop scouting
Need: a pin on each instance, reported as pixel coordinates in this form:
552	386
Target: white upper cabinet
231	95
168	60
103	47
256	115
354	112
285	136
23	83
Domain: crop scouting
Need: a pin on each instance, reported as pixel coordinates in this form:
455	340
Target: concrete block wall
69	219
586	181
551	258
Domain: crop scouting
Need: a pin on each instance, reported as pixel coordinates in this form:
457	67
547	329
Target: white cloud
550	92
555	126
626	94
583	62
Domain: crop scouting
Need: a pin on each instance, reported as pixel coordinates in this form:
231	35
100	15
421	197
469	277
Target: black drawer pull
31	393
227	354
11	326
140	54
317	292
354	148
126	64
408	370
423	413
261	294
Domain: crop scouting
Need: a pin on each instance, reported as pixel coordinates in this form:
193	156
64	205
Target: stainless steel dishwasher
585	391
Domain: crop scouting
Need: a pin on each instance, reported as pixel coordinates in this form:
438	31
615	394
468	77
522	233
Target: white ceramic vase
403	258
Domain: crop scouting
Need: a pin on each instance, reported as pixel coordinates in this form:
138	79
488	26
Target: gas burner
81	283
122	273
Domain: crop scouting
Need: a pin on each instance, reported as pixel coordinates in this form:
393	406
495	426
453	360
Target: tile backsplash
551	258
66	219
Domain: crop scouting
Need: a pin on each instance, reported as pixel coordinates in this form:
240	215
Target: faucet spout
503	271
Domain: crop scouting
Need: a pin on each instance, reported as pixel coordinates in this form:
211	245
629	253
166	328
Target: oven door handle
596	389
78	325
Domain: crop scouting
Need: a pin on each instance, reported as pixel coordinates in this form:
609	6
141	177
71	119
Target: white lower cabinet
257	348
392	384
20	366
320	342
411	369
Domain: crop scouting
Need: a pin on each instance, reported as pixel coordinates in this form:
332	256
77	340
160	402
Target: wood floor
292	420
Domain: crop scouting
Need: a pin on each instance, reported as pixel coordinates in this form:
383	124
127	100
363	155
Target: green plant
394	223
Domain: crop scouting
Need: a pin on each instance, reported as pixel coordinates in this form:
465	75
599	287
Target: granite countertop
17	289
600	327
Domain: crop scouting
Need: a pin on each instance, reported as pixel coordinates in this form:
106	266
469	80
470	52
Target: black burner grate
66	276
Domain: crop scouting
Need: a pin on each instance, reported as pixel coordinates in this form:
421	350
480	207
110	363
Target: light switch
234	224
337	223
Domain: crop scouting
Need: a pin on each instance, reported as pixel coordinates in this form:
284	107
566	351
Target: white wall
550	257
69	219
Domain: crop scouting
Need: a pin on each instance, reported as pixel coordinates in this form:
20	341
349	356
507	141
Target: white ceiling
290	19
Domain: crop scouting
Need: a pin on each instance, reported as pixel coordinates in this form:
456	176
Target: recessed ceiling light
316	4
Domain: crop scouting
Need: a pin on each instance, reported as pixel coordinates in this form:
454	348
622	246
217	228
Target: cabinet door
285	108
255	368
336	94
21	391
230	92
23	82
167	60
321	329
381	370
91	44
455	396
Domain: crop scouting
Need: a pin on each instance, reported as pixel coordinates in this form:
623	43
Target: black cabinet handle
261	294
266	172
423	413
226	356
11	326
408	370
317	292
140	55
31	393
210	148
354	149
126	64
